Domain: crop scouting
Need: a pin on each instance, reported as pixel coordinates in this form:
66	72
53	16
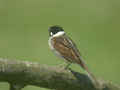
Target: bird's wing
67	48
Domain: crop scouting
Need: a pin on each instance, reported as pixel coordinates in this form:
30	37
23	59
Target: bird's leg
61	65
64	66
67	66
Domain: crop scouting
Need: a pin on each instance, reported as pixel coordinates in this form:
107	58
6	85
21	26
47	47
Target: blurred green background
93	24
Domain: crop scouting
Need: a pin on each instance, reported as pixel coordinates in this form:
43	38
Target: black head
54	29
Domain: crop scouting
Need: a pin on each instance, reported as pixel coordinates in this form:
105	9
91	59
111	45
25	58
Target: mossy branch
22	73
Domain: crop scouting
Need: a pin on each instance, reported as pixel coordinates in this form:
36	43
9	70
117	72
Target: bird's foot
64	66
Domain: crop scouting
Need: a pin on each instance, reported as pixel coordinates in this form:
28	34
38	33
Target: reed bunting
64	47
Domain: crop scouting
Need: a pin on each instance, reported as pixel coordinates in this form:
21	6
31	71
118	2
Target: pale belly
53	49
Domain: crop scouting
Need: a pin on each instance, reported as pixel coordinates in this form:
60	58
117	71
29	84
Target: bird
64	47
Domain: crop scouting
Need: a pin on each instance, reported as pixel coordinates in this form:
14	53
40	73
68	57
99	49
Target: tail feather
90	74
92	77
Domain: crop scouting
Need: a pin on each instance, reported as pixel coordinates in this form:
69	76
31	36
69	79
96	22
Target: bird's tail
90	74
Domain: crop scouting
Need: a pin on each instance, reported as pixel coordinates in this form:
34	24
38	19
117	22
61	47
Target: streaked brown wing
67	49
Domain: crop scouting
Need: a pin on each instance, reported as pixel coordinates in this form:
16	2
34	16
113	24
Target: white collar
59	34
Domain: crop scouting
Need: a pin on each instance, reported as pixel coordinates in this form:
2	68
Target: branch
23	73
